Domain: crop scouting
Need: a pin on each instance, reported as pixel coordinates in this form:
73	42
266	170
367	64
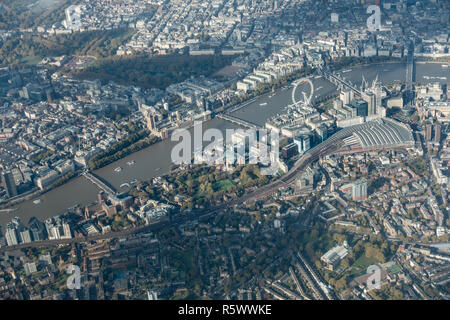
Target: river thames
156	159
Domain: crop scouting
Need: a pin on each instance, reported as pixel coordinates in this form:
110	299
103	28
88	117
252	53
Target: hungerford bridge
339	82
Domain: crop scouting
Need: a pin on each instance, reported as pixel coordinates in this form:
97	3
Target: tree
339	238
341	284
375	253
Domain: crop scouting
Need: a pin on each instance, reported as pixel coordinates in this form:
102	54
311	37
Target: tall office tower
37	229
378	107
369	97
346	96
66	233
306	143
9	184
322	131
360	106
437	132
359	190
25	236
11	234
428	132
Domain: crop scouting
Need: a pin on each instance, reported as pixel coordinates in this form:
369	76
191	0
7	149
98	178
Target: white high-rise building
346	96
334	17
152	295
369	97
73	17
378	97
14	230
25	236
30	268
11	235
359	190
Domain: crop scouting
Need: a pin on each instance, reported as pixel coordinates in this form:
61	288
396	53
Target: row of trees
62	180
352	61
132	143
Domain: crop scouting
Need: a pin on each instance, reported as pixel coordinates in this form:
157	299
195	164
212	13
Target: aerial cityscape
224	150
